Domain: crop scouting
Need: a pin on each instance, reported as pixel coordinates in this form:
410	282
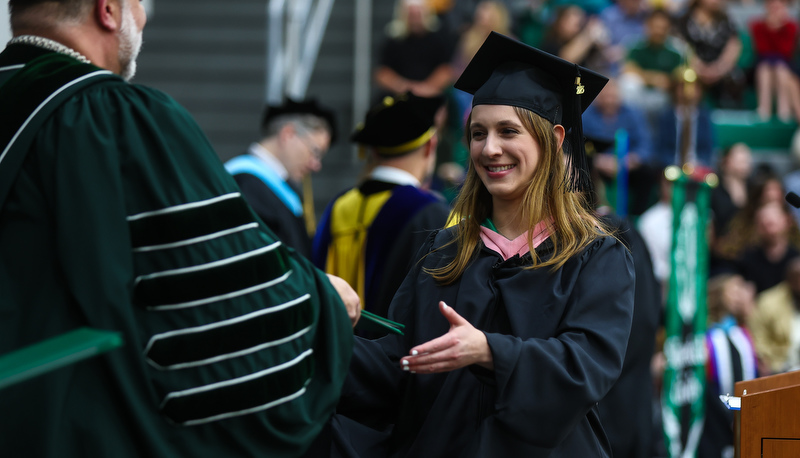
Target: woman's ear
558	129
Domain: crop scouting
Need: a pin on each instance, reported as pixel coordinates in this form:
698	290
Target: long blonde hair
573	225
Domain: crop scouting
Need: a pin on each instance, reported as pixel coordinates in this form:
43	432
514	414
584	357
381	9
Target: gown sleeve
546	386
375	382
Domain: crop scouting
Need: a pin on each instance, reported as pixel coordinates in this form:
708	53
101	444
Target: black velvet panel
233	337
213	281
240	396
187	224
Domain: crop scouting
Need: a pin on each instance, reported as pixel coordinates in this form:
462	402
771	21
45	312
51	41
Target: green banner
685	320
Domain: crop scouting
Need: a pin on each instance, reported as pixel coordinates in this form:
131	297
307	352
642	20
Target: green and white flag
685	320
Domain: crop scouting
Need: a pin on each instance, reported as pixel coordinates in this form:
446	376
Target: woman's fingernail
414	352
413	372
405	362
405	368
444	304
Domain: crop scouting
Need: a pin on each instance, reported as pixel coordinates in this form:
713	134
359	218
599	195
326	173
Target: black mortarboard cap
507	72
399	124
306	107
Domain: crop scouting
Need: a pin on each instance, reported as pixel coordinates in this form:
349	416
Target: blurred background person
730	197
655	225
416	55
646	78
731	358
531	21
791	180
776	323
607	115
578	38
775	39
741	233
764	262
714	41
489	16
625	22
685	133
294	138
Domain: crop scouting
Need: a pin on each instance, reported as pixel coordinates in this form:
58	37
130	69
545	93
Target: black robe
290	228
558	340
627	412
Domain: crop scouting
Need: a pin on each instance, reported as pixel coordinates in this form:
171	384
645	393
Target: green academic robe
121	217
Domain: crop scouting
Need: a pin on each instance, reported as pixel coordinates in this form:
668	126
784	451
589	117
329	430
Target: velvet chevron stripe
189	221
231	398
249	333
170	289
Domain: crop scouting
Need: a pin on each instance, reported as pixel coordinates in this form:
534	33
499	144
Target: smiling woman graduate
517	318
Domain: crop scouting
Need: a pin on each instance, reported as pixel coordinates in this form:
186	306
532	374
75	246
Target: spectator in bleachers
764	188
646	77
625	22
684	131
602	120
727	199
776	323
731	358
764	262
489	16
575	37
655	225
716	47
791	181
531	22
775	38
416	56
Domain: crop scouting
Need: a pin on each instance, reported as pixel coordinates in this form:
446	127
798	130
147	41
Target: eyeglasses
305	137
316	151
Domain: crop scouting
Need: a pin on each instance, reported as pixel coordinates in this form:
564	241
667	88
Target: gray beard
130	44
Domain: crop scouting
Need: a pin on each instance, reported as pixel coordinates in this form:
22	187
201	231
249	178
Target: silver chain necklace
51	45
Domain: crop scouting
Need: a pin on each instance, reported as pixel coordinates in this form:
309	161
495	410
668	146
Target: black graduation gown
627	412
290	228
558	341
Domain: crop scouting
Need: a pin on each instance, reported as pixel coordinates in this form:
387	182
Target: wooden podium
768	425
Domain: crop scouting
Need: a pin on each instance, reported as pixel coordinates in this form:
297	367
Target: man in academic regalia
294	137
116	214
370	234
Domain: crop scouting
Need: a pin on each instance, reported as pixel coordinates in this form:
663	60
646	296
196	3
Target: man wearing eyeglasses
294	137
